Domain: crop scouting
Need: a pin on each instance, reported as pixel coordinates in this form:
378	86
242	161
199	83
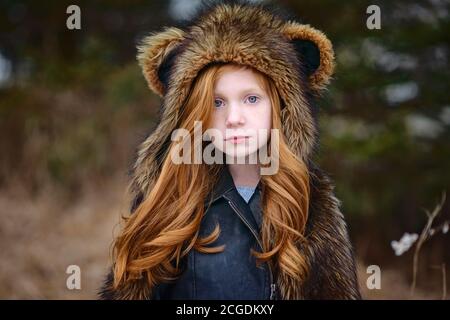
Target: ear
314	51
156	54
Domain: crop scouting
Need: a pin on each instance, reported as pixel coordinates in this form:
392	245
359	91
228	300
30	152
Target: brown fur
252	36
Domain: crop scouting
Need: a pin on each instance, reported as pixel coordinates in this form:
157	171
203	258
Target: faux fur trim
321	77
153	51
241	34
249	35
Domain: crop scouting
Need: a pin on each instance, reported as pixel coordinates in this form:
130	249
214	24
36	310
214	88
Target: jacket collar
251	211
225	185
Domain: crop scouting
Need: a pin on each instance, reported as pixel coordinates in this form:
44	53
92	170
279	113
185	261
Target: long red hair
165	225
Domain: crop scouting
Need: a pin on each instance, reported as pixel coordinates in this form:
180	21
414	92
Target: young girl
245	214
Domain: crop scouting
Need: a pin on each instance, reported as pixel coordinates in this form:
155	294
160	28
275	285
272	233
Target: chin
241	153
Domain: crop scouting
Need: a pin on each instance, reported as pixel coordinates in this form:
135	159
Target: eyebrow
245	91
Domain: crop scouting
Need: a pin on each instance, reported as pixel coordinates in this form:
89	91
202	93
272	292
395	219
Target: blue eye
215	103
252	101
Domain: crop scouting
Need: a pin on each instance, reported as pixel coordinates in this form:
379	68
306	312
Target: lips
237	139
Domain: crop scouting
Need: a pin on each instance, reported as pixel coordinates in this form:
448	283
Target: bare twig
424	236
444	283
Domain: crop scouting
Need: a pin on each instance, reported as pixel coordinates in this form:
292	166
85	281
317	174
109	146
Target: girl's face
242	113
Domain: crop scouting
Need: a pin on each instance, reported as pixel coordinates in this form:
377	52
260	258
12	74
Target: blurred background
74	106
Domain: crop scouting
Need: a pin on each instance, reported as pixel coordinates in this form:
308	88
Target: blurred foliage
76	104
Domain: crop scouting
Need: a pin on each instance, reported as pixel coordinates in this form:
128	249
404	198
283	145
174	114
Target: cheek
269	117
266	121
262	120
265	117
218	119
217	126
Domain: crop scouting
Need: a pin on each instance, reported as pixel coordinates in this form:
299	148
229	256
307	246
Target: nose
235	116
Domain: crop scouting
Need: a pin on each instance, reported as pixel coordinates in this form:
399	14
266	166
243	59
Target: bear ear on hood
156	54
315	52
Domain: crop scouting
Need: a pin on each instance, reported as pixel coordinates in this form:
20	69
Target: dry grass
40	238
394	285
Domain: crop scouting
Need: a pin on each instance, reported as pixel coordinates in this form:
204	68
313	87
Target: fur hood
298	58
300	61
